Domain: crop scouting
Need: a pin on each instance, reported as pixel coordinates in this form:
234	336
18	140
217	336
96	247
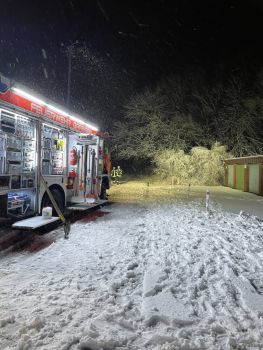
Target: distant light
29	96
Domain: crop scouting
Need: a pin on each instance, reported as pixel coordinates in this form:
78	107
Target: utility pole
70	48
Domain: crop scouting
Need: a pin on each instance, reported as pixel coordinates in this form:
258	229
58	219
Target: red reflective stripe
45	112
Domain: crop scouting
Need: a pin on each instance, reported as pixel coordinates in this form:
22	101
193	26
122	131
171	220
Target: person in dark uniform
105	184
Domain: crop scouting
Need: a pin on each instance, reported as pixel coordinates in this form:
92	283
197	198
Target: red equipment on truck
73	156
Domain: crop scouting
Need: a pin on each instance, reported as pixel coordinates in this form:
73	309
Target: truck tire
46	202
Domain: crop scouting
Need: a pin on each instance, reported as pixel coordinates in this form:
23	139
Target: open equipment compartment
53	144
17	164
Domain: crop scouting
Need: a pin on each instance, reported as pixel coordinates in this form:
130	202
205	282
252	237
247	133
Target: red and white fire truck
40	139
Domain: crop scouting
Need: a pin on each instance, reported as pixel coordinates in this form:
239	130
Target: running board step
33	223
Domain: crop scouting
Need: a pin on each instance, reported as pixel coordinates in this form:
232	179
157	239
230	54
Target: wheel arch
54	187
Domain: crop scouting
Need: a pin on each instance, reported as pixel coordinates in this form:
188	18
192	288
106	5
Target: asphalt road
234	201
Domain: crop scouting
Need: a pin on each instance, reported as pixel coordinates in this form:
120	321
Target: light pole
70	48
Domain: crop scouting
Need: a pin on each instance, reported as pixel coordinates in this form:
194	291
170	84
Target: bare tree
231	115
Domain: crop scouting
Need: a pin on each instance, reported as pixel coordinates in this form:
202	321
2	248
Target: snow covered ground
148	276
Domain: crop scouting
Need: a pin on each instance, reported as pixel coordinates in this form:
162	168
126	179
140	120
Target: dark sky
127	44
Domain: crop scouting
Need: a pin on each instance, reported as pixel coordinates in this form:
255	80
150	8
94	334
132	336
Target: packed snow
156	276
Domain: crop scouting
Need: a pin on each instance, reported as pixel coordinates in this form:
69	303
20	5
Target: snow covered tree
150	125
174	164
184	111
208	164
201	166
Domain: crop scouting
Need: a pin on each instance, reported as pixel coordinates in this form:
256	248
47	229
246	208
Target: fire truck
41	140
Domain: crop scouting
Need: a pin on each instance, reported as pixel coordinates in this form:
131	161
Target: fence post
207	201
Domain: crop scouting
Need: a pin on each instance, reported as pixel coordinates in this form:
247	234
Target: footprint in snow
132	266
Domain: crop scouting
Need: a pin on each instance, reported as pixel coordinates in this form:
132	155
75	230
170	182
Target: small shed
245	174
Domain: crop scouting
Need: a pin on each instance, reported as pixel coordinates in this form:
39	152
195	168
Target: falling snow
45	73
102	9
44	53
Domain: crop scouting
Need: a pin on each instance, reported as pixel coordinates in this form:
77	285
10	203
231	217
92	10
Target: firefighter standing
105	184
116	174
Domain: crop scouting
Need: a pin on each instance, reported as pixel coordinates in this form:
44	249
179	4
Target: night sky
123	46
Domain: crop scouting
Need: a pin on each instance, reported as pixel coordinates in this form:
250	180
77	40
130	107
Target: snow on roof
245	160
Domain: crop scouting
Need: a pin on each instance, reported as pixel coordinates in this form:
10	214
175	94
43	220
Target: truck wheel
46	202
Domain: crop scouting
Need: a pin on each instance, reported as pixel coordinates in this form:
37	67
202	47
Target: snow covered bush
201	166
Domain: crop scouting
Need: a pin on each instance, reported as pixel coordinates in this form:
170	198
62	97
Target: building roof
245	160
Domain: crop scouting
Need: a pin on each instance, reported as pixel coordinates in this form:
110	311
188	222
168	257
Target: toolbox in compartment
14	168
14	155
17	201
13	142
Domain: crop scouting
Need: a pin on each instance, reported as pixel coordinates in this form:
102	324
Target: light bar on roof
58	110
81	121
42	103
29	96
